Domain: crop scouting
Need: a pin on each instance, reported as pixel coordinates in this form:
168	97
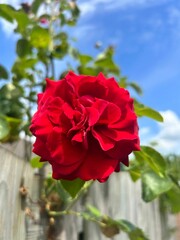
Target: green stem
52	66
77	214
51	33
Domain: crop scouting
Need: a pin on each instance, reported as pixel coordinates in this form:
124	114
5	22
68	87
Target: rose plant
85	126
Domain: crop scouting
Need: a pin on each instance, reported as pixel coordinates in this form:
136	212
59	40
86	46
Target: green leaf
22	20
136	87
133	232
61	50
142	110
11	14
23	47
173	199
63	194
3	73
21	65
108	64
153	185
87	71
9	91
14	128
4	128
35	5
35	162
40	37
111	227
84	59
154	159
135	173
122	82
73	187
6	12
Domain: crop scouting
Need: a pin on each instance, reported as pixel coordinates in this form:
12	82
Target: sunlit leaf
135	173
153	158
153	185
107	63
87	71
35	162
6	12
9	91
40	37
14	126
22	20
142	110
84	59
21	65
173	199
4	127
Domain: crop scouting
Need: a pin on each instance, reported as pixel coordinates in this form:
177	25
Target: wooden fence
118	197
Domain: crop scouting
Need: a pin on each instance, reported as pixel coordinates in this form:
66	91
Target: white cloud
8	2
168	137
174	21
92	6
83	31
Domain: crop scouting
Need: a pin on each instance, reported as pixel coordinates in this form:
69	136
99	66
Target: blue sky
146	34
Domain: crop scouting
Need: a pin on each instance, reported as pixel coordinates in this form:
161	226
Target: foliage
40	45
159	176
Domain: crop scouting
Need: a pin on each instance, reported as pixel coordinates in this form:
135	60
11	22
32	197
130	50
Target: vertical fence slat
12	213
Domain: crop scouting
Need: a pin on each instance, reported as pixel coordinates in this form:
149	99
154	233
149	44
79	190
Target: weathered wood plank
12	217
119	198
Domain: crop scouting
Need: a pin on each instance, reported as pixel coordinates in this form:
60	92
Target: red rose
84	127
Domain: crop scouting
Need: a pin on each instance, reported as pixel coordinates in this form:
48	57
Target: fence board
122	200
12	217
119	197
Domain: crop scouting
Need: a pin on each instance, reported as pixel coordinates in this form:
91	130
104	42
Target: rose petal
93	115
62	150
96	165
37	149
104	141
65	172
90	86
111	114
41	127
